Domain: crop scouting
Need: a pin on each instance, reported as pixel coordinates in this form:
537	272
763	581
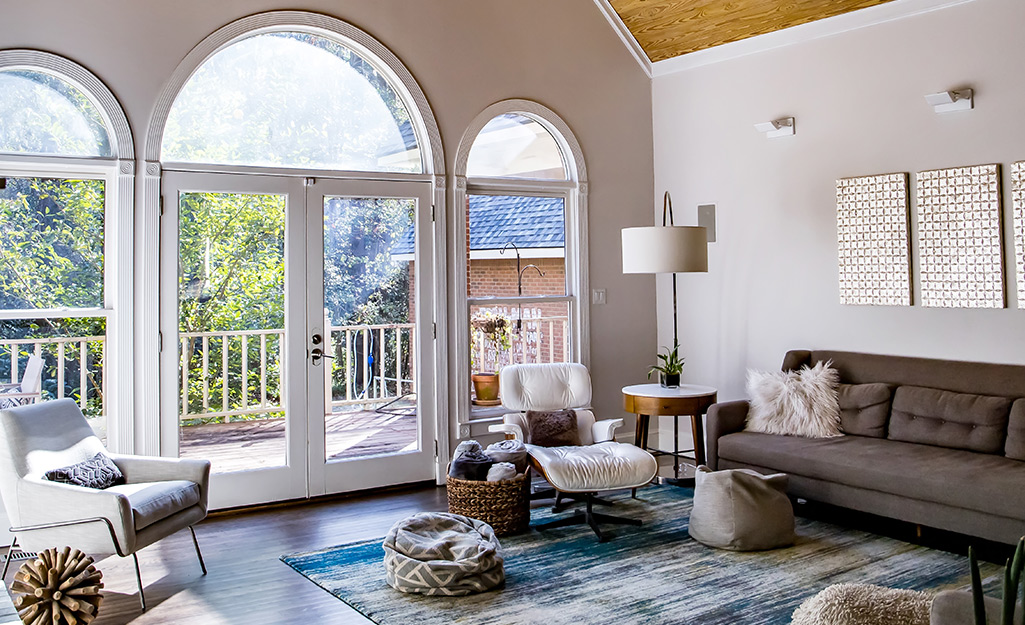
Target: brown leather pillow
557	428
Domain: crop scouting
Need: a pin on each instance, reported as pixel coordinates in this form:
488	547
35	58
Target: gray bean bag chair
438	553
742	510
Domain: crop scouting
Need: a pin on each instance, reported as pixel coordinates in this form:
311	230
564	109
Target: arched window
66	172
292	99
513	145
525	215
299	166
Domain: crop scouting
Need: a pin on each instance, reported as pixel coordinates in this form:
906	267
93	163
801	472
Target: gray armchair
160	496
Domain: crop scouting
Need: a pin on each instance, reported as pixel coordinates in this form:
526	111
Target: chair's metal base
135	558
7	559
588	516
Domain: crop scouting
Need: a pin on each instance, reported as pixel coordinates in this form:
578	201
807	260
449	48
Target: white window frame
428	138
118	174
574	190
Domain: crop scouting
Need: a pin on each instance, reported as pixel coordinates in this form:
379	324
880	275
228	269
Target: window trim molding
574	189
119	175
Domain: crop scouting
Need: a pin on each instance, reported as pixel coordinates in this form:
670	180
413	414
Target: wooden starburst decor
58	588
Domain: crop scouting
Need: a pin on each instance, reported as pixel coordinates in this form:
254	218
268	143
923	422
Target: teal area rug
652	575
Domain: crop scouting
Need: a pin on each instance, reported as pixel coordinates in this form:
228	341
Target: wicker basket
505	505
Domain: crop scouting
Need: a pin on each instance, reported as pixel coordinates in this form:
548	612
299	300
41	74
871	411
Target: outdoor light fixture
782	127
947	101
666	249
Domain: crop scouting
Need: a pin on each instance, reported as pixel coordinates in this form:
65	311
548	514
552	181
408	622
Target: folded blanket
511	451
471	465
502	471
465	446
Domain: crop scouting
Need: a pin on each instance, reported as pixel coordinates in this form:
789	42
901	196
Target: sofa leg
138	578
199	553
7	560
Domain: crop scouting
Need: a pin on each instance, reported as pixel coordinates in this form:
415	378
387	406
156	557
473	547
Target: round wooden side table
647	400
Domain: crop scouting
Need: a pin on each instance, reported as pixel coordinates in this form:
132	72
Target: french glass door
369	313
291	334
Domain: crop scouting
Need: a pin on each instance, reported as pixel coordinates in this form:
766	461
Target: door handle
316	354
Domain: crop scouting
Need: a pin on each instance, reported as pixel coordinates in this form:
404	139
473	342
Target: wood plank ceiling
670	28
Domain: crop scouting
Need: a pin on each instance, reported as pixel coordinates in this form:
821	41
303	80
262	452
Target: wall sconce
947	101
777	128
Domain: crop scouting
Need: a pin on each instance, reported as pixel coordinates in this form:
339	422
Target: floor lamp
666	249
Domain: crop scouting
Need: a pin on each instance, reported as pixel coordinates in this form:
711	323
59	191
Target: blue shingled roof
529	222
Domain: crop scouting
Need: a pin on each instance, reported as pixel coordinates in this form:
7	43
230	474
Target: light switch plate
597	296
706	218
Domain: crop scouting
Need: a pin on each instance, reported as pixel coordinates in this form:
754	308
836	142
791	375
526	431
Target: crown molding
625	36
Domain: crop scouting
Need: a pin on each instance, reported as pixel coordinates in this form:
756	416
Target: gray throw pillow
741	510
97	472
557	428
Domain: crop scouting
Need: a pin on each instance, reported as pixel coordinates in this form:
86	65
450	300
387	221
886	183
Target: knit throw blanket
511	451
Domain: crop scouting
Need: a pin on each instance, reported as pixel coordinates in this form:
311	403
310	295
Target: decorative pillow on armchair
97	472
10	402
795	403
557	428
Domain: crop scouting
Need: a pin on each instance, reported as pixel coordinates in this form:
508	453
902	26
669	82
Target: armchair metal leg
7	560
199	553
138	578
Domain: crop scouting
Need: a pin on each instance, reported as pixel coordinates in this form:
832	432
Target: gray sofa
938	443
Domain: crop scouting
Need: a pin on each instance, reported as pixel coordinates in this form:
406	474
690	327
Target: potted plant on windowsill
670	367
494	329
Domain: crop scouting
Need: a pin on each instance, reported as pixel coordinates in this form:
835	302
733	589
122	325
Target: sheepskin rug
795	403
864	604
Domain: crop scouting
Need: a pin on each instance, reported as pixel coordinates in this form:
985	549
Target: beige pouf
741	510
864	604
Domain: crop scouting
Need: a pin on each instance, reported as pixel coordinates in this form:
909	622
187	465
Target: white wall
466	55
858	100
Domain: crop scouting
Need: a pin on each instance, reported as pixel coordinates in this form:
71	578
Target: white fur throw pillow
795	403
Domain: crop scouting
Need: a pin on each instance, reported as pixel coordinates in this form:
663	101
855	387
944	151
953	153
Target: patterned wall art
1018	198
959	237
874	246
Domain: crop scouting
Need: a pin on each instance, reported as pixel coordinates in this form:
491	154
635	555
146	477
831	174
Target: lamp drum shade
665	249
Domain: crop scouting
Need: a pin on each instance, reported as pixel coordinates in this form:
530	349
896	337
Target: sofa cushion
957	420
1015	446
985	482
864	408
155	501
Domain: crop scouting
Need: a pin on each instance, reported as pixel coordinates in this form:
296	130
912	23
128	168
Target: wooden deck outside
260	443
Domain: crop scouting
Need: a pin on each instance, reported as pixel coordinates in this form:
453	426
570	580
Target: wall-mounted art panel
1018	198
959	237
872	234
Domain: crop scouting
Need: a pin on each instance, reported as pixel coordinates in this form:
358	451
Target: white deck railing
58	354
540	339
370	366
254	356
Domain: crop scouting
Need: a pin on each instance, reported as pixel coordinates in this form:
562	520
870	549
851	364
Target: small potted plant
494	328
669	368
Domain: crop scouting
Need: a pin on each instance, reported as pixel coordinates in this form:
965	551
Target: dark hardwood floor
246	582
